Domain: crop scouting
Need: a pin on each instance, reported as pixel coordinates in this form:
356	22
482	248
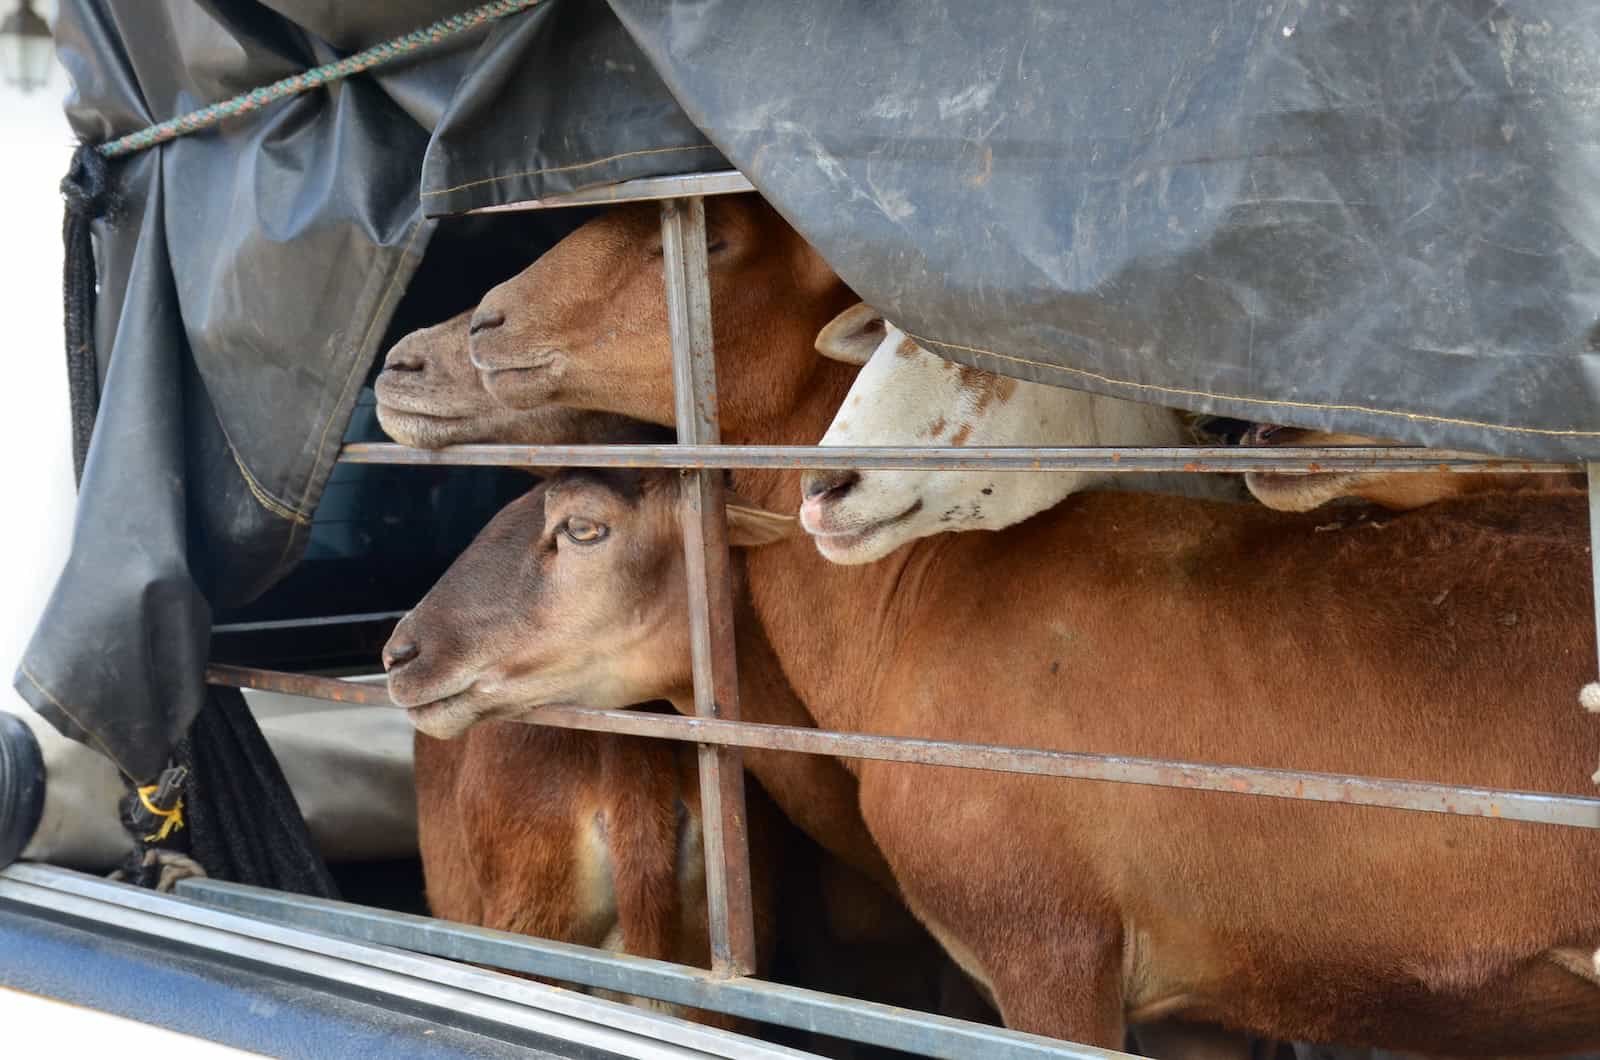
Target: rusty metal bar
705	549
1284	460
1570	810
644	189
1594	546
336	689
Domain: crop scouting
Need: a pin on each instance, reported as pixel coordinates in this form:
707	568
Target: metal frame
774	1003
718	731
393	976
1573	811
705	550
1194	459
642	189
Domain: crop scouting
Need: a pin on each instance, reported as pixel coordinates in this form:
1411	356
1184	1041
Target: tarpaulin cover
1373	216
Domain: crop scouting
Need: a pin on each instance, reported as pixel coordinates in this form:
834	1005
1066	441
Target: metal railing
715	726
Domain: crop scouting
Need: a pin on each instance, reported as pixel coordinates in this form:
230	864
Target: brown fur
1297	920
1153	625
1397	491
578	837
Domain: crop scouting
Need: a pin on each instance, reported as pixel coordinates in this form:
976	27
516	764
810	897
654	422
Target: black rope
87	191
223	809
244	823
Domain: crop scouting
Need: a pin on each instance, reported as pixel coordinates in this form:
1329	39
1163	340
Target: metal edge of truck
284	991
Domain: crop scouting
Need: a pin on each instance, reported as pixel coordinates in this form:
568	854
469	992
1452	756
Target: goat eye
582	531
716	245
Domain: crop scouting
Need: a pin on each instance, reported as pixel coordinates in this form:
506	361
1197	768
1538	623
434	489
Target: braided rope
327	74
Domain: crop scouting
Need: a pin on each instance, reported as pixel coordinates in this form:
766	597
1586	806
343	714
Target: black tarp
1375	216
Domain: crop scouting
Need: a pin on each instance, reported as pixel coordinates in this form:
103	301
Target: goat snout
829	484
485	319
399	651
403	359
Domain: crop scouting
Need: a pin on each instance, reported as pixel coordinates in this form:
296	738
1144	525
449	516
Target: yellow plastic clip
171	820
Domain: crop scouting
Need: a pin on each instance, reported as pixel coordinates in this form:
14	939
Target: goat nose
829	483
485	320
401	359
399	652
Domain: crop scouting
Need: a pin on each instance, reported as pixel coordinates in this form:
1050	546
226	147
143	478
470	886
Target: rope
242	823
86	190
327	74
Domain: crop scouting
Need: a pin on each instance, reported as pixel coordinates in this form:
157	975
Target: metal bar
1285	460
306	623
1570	810
774	1003
1594	546
339	690
644	189
400	978
705	550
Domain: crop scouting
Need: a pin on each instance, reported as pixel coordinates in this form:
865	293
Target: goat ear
749	526
851	336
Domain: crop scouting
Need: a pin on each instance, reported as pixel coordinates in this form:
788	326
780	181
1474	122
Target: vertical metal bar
705	543
1594	550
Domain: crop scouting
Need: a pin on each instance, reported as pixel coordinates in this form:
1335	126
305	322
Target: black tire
21	786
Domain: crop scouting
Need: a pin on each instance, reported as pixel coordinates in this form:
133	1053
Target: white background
36	475
35	432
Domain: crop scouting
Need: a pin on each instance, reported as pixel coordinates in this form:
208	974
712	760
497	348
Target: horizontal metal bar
644	189
1571	810
774	1003
1284	460
339	690
407	978
306	623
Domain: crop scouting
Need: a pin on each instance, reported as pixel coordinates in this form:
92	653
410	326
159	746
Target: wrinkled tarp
1381	217
1376	217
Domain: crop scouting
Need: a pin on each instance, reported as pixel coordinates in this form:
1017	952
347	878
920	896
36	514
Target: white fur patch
1589	696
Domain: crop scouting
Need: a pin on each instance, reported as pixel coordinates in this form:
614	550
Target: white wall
79	825
35	434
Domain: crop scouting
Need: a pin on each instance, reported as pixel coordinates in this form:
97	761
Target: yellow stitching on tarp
1453	421
22	669
266	500
564	169
171	820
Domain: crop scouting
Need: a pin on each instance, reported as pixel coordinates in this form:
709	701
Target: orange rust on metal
1250	781
714	668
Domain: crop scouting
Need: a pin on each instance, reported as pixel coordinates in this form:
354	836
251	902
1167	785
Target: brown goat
1419	647
1397	491
596	840
1084	904
428	396
583	838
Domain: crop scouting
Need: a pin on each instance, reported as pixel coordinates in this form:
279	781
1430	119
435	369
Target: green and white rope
377	55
